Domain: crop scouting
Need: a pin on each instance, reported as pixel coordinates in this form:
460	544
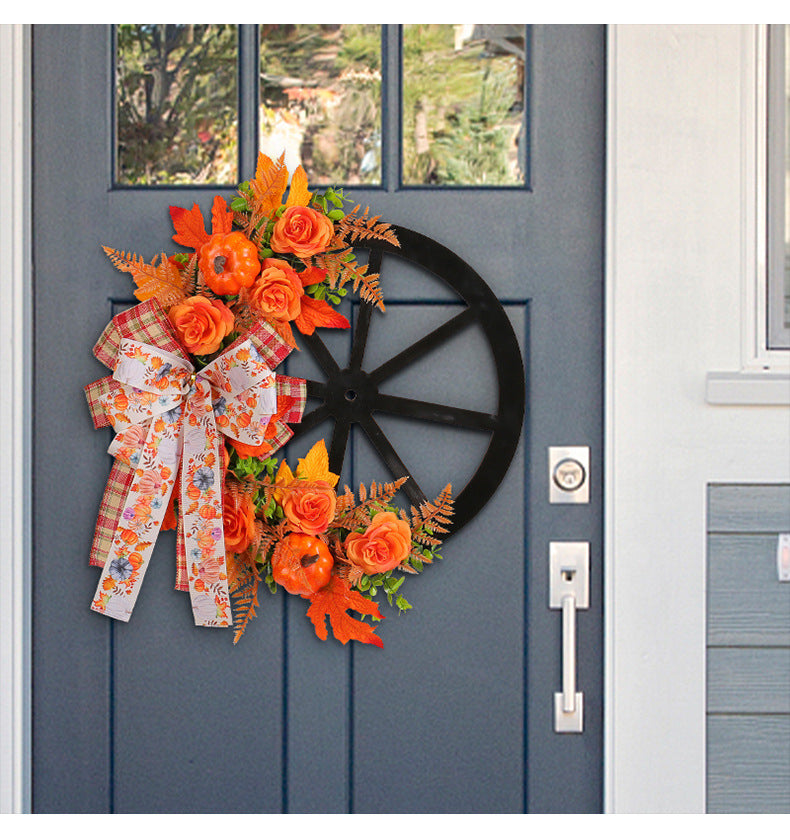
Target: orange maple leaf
334	601
298	194
311	275
315	465
318	313
221	216
190	227
285	332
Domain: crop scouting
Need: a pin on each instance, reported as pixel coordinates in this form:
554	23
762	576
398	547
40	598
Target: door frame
662	772
15	416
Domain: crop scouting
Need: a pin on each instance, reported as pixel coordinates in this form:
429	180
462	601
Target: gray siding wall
748	651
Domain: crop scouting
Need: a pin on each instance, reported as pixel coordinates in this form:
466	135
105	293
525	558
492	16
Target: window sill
746	388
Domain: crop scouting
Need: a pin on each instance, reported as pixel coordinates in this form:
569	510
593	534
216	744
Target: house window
778	191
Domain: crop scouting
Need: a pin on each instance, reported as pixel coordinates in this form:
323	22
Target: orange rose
277	293
385	544
301	231
238	519
309	506
201	324
249	450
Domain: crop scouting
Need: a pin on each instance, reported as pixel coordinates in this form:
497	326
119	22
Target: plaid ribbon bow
169	421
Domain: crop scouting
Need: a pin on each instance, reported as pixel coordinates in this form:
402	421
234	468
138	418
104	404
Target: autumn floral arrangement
199	412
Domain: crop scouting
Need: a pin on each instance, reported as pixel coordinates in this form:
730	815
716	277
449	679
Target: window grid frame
248	120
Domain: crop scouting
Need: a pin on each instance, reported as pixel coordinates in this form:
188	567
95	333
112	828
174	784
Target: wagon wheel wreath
199	413
352	395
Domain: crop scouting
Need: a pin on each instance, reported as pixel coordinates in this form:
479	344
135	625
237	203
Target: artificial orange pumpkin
229	262
302	564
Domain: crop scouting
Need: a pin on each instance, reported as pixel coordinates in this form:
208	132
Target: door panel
455	713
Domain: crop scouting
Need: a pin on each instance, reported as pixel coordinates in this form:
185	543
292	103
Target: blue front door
456	713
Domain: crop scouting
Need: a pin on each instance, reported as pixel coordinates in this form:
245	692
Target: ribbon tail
201	512
139	523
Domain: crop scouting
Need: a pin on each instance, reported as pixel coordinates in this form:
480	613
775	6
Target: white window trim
756	355
764	374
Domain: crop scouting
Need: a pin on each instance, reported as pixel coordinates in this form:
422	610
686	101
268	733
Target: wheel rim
352	395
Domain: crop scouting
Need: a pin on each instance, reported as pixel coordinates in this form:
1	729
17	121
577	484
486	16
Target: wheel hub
350	394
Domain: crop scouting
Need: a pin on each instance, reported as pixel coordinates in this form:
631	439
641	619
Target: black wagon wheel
353	395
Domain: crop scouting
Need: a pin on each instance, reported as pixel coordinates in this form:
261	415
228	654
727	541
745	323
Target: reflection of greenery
321	93
177	108
460	110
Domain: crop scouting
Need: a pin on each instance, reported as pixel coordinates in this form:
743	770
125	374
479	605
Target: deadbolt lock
569	468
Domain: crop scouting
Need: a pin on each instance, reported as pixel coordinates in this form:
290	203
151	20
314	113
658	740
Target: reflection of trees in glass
321	99
177	103
462	103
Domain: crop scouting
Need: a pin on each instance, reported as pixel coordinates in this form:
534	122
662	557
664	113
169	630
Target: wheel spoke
360	336
392	460
310	421
363	318
436	413
316	389
423	346
319	350
338	444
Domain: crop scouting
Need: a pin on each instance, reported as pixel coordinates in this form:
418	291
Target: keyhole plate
569	573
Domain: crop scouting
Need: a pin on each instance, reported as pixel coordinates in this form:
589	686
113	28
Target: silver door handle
569	574
569	654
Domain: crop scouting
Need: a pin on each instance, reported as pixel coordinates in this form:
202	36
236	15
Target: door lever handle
568	654
569	573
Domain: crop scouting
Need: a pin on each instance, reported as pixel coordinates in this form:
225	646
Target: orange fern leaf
369	288
356	227
340	268
244	592
163	280
268	185
433	515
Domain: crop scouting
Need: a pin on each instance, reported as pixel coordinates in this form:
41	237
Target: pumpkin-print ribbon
180	415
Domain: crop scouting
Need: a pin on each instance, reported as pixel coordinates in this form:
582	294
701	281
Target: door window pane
778	188
782	303
321	99
176	103
463	104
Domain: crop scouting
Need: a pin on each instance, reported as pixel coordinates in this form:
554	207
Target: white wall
681	256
